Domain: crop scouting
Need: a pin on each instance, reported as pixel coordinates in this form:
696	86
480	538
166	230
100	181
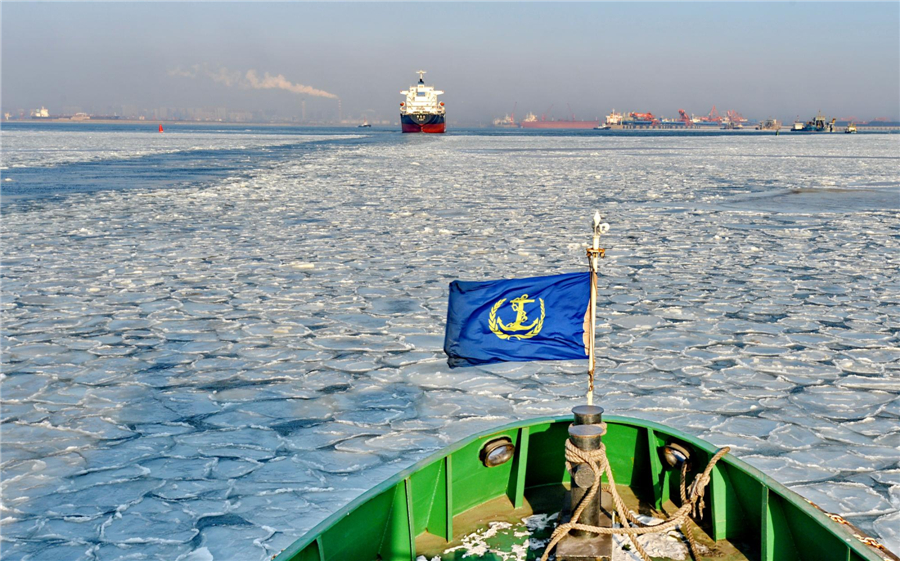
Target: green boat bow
428	507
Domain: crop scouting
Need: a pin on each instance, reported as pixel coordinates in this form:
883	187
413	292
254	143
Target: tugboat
422	112
365	125
851	129
819	124
584	487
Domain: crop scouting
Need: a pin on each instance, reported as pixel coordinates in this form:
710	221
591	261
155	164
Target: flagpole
594	253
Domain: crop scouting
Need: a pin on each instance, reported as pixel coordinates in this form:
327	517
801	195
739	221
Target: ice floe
206	371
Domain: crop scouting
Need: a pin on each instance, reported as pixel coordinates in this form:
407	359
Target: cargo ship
422	112
532	122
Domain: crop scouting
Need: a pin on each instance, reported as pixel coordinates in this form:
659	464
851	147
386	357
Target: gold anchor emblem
509	330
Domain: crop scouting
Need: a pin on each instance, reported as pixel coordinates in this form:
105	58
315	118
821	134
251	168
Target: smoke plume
249	80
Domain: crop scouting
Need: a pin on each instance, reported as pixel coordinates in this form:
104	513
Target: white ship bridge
422	99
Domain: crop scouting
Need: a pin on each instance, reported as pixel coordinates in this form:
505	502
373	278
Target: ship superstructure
508	121
614	119
422	112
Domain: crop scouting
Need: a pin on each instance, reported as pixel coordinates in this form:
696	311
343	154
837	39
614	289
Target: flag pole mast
594	253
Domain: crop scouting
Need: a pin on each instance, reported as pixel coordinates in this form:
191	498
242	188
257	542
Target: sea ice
224	362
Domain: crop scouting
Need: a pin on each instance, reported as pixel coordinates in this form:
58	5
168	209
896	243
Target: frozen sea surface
206	368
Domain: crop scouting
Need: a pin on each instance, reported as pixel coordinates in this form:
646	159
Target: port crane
713	117
654	122
684	118
544	116
735	118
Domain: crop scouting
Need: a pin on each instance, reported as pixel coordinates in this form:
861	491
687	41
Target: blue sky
762	59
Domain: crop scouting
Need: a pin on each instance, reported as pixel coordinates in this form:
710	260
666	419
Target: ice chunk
846	499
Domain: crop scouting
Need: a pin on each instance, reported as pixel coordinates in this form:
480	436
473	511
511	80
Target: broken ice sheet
226	336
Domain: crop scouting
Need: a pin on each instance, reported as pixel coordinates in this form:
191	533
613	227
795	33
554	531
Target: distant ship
819	124
365	125
613	121
851	129
532	122
422	112
507	122
769	125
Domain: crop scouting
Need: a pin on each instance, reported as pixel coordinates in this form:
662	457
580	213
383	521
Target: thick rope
598	462
686	527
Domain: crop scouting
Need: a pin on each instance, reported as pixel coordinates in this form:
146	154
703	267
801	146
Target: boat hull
434	503
423	122
560	124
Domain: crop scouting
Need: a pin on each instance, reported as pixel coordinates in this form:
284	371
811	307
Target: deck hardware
588	415
497	452
586	437
586	433
676	455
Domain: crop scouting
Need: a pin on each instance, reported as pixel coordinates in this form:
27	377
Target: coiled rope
692	502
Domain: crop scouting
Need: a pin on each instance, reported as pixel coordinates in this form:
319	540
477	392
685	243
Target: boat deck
520	537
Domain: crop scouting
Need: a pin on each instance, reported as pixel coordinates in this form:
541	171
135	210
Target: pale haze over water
763	60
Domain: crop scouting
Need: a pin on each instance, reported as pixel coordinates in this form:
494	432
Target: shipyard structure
627	120
635	120
730	120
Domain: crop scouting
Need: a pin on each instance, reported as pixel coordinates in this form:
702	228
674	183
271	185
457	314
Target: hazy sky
762	59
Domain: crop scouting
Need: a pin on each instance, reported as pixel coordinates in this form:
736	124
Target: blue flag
537	318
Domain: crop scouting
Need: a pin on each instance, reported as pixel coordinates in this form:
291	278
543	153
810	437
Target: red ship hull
560	124
412	127
422	123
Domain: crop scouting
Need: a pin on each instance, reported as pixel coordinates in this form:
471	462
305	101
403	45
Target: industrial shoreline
153	123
